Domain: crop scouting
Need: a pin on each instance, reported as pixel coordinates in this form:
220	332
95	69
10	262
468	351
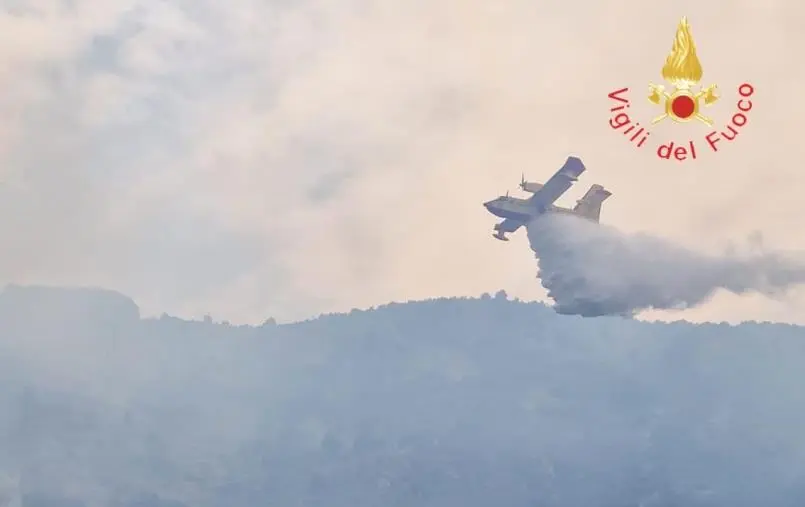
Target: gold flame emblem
683	70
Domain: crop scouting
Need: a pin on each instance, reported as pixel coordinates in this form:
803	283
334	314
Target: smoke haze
200	156
592	269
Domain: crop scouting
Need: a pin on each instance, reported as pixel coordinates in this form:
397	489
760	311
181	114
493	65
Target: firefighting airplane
518	212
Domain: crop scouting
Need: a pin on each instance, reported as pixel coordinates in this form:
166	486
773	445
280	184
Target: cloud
287	158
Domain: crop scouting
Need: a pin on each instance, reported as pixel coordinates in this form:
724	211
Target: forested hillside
450	402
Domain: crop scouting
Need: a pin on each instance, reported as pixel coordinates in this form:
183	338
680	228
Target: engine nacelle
532	187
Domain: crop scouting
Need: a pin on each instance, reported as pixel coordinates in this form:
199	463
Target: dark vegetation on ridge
447	402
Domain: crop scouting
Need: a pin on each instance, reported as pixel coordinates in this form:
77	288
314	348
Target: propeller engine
529	186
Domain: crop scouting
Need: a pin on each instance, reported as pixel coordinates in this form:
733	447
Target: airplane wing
509	225
559	183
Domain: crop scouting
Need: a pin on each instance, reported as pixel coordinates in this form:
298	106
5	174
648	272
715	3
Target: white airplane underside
517	212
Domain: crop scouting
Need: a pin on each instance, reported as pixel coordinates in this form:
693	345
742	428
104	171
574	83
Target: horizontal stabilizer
589	206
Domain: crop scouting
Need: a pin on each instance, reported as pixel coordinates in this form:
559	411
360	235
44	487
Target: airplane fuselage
520	210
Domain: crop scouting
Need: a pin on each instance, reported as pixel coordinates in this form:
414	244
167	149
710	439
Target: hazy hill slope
470	402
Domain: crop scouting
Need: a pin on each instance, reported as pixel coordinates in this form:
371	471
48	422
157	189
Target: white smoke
591	269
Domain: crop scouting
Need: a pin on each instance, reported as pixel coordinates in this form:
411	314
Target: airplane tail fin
589	206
